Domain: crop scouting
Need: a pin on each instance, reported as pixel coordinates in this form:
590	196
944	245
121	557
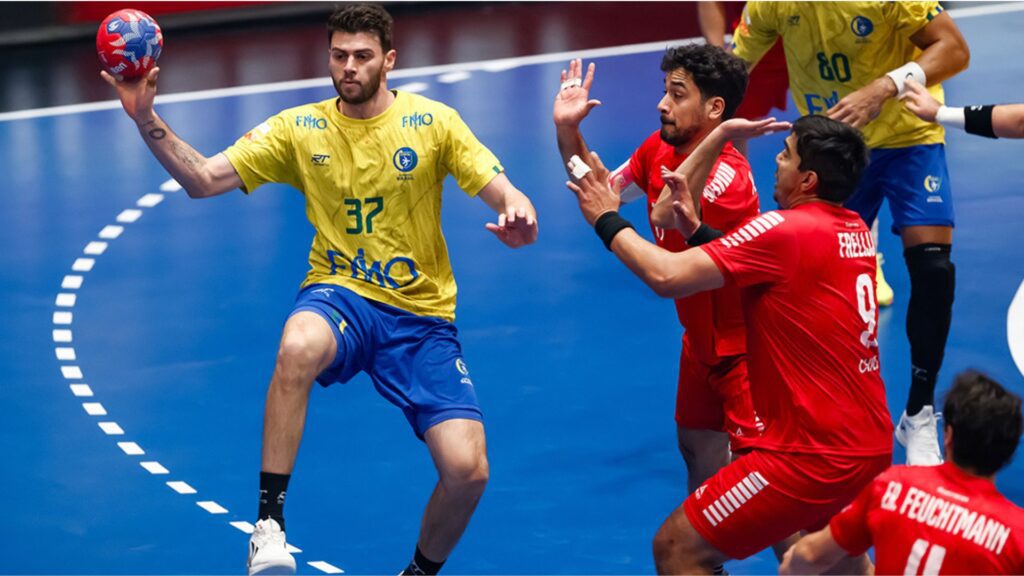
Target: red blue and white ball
129	43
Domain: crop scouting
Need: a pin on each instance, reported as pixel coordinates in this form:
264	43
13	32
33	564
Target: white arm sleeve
630	191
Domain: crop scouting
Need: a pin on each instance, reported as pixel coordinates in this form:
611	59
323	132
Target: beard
675	137
366	91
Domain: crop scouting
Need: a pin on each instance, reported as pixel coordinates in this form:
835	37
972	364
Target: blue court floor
139	332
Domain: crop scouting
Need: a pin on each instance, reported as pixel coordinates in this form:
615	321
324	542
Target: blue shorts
415	362
914	180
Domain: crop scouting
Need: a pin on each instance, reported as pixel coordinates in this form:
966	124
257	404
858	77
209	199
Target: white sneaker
267	551
920	435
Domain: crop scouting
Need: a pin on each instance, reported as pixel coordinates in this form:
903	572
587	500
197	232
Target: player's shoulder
734	158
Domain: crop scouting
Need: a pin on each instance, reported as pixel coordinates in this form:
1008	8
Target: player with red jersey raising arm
807	278
703	86
947	519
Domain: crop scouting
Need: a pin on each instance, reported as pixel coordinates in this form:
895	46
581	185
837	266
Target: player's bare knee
468	476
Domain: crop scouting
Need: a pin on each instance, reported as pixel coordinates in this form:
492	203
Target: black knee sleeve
932	283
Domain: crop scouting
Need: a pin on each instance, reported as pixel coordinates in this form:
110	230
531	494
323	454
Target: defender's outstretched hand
743	129
136	96
920	102
573	103
592	189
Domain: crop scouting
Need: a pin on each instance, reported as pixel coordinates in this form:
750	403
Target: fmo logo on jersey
310	121
415	120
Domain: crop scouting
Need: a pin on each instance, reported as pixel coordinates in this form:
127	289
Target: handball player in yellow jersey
851	61
379	296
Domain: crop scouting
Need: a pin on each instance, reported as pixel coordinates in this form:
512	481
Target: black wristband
978	121
608	225
704	234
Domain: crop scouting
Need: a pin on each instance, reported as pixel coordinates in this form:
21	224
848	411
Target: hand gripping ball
128	43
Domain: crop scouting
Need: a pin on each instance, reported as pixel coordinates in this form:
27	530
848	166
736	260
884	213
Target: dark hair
362	18
835	151
986	422
714	71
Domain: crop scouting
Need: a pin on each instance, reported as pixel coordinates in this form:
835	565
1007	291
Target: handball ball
128	43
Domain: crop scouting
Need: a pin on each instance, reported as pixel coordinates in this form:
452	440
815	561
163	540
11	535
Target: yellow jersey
834	48
373	193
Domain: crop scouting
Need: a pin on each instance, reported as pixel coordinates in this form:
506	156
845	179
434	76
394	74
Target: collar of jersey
384	116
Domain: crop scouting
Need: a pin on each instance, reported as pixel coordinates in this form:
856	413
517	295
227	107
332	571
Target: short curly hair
714	71
362	18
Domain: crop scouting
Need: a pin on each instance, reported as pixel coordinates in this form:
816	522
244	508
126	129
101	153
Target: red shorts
765	496
716	397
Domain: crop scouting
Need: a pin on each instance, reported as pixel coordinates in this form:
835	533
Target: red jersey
933	520
808	279
713	320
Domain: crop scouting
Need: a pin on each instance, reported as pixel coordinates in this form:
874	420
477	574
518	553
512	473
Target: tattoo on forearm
187	156
156	133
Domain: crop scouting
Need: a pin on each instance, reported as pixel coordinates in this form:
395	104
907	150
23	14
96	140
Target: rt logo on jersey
321	159
861	26
932	183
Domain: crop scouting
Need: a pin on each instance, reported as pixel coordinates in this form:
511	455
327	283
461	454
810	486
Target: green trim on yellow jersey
834	48
373	192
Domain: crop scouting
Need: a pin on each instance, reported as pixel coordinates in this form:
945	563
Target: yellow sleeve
756	32
465	158
909	17
264	154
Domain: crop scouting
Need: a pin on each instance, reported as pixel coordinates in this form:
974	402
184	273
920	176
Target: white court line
94	409
71	372
325	567
131	448
65	353
71	282
95	248
246	527
81	390
181	487
128	216
63	318
1015	328
111	232
170	186
212	507
154	467
62	335
83	264
493	65
292	549
66	300
111	428
150	200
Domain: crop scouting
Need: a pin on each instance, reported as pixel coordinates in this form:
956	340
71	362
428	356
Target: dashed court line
63	318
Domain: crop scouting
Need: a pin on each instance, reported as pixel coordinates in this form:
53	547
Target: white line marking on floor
181	487
62	317
62	335
71	282
154	467
453	77
170	186
94	409
128	216
81	390
83	264
111	232
325	567
66	300
292	549
150	200
246	527
71	372
212	507
111	428
65	353
1015	328
131	448
95	248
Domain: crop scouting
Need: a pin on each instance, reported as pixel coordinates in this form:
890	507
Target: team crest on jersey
861	26
405	160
